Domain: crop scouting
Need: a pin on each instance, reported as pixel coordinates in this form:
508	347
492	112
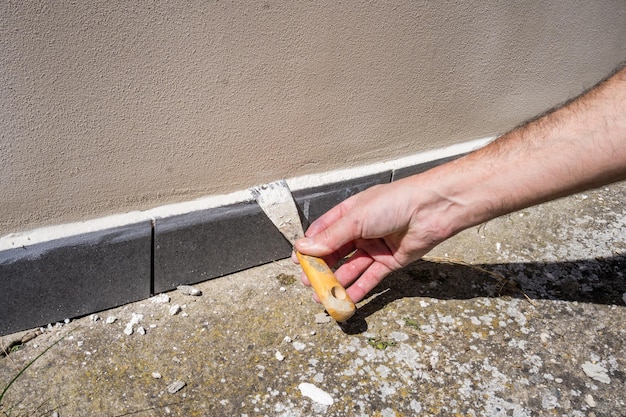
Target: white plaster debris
160	299
383	371
134	320
388	412
141	330
299	346
175	386
416	406
535	361
94	317
316	394
279	356
156	375
189	290
321	318
549	401
399	336
596	372
591	402
427	328
175	309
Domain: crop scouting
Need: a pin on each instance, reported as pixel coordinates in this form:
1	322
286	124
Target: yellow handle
332	295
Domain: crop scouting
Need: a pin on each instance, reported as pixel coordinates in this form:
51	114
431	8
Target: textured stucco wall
113	106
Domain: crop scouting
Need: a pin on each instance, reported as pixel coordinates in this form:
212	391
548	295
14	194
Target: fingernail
304	244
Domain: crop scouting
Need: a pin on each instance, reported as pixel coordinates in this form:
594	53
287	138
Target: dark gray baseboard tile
66	278
194	247
314	202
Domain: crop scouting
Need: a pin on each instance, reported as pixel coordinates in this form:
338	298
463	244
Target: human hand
389	226
385	228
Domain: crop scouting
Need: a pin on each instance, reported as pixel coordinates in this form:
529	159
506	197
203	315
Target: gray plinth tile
404	172
313	202
71	277
194	247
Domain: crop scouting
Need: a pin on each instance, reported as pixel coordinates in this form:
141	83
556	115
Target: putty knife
276	201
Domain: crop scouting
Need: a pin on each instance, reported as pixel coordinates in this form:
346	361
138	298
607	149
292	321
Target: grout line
391	174
152	254
394	172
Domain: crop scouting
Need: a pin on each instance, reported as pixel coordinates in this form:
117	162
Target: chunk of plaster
316	394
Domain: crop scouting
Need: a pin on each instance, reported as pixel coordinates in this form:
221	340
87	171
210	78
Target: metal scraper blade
276	201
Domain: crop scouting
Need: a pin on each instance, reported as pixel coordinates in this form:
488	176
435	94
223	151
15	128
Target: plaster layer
107	107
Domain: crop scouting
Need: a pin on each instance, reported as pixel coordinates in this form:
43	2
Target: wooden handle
332	295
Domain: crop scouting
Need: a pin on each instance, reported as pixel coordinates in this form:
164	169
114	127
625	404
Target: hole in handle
338	292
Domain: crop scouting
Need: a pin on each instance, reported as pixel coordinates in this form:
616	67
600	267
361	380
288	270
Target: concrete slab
452	335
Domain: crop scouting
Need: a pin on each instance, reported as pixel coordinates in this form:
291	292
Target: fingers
348	272
331	232
332	259
359	275
329	240
352	269
340	231
368	280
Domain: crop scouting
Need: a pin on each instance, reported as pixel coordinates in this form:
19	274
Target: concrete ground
524	316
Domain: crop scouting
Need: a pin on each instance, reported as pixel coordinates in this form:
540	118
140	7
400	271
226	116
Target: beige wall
108	107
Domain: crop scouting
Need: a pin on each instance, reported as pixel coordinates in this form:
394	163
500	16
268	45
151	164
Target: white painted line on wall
329	177
45	234
48	233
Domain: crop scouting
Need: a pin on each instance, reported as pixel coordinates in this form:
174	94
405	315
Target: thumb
312	245
329	240
330	232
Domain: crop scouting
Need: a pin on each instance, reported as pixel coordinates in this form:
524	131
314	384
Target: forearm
579	146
